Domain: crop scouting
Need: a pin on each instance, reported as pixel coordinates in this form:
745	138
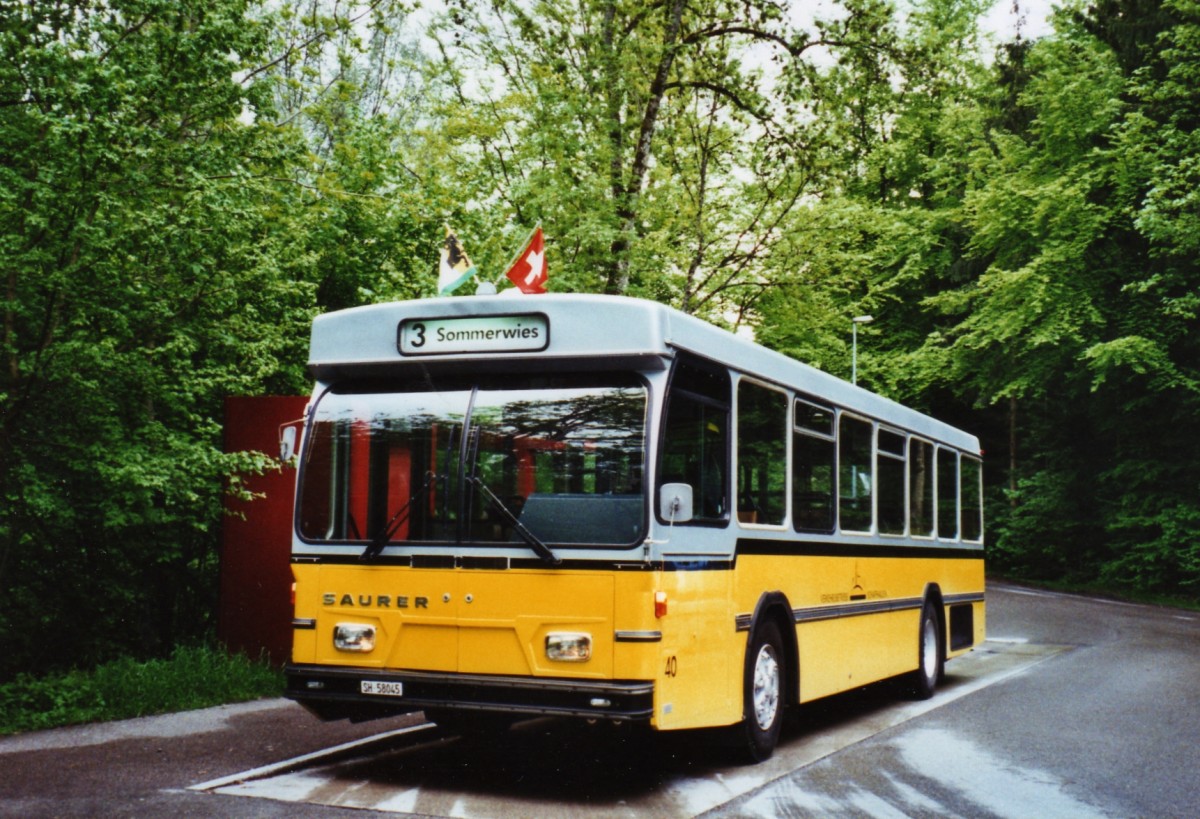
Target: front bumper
336	693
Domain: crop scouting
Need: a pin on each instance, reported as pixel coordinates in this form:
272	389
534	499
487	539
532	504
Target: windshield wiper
535	543
385	534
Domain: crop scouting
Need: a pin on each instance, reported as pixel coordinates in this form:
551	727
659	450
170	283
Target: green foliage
191	678
1025	238
143	284
1037	538
662	147
1117	299
168	236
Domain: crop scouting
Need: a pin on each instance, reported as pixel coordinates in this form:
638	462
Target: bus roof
574	329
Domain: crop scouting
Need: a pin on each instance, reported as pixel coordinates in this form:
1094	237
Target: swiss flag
528	271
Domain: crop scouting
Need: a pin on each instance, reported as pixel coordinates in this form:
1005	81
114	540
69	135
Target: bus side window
762	454
947	493
855	483
814	459
695	447
892	453
920	488
972	499
322	487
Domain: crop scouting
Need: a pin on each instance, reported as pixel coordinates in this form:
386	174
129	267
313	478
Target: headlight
569	646
353	637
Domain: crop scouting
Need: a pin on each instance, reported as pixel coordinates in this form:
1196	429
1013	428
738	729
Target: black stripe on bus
503	563
843	548
837	611
745	546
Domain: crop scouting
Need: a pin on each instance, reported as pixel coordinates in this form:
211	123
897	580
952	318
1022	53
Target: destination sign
478	334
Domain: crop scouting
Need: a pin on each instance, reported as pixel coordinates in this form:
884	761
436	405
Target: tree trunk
627	194
1012	451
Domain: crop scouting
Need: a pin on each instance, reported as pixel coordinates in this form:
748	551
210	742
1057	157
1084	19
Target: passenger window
892	453
696	438
814	459
762	454
972	499
854	474
947	483
920	488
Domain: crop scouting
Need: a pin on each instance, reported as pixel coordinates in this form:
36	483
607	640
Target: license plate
384	689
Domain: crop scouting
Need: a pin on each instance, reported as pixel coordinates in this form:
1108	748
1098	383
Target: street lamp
854	322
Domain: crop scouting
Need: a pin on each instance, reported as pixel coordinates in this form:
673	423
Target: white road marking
306	759
1015	590
1003	587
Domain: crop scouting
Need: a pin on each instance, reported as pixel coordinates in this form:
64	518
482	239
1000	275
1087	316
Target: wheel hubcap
929	651
766	687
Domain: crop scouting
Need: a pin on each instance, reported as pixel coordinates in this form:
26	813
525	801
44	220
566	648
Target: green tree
886	230
1037	262
350	84
1096	300
1146	365
661	145
1025	237
183	184
146	277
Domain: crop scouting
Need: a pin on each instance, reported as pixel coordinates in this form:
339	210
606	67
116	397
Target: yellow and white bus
599	507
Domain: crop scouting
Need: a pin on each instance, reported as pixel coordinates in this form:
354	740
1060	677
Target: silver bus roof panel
586	330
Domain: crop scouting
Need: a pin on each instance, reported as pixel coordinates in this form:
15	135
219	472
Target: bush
193	677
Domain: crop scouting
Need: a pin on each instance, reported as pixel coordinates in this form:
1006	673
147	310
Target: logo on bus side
382	601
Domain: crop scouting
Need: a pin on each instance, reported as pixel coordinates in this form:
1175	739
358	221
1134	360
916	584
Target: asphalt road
1108	727
1075	707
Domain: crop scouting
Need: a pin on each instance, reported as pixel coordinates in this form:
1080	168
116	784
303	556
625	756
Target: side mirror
287	443
675	502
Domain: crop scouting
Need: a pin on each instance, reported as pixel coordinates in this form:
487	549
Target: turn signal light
660	604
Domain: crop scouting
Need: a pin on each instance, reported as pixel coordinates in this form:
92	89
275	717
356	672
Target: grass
193	677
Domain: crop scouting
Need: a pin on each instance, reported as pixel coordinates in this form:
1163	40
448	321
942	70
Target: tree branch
795	50
721	90
292	49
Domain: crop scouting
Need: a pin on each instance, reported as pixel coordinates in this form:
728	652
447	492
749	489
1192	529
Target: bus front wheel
762	694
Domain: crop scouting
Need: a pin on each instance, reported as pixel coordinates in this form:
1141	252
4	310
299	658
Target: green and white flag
455	268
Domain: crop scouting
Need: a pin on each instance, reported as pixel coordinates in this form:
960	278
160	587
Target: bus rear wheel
762	695
930	659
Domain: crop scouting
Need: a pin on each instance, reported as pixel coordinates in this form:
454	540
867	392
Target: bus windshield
465	461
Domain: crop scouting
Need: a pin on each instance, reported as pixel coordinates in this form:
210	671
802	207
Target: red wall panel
255	613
